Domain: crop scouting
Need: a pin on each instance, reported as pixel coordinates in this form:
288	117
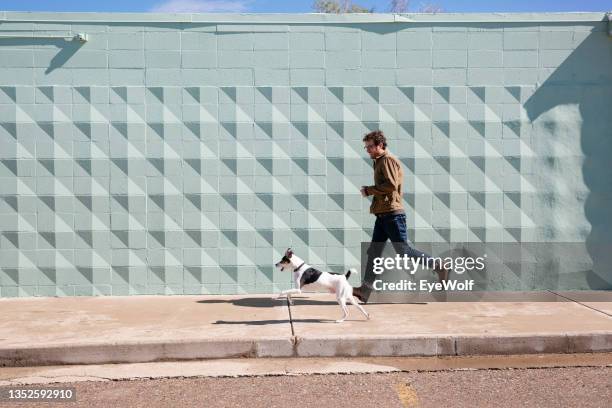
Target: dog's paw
368	316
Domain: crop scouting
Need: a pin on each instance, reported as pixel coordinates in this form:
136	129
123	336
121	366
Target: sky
297	6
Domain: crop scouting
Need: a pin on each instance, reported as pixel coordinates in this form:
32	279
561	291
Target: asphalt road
542	387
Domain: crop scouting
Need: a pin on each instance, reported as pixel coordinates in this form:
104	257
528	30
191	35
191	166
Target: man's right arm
390	170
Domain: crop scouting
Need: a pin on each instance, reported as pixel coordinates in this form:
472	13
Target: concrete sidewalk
98	330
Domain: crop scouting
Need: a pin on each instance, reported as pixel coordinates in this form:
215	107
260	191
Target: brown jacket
387	188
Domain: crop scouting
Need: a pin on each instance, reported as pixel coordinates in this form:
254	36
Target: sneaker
443	274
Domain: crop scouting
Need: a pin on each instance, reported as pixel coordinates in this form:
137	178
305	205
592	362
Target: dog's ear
288	253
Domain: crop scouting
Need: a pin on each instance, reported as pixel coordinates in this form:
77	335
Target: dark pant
392	227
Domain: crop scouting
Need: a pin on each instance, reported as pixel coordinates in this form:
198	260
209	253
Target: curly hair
377	137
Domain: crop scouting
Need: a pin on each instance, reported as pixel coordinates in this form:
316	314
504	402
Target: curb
332	346
143	352
375	346
597	342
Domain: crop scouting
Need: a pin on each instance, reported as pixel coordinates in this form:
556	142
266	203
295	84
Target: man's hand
363	191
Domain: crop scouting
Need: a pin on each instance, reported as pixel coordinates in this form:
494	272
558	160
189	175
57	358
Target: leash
290	317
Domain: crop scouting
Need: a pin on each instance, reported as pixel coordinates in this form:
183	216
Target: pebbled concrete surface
290	366
546	387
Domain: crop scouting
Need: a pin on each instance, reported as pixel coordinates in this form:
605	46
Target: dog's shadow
297	301
271	302
264	322
268	302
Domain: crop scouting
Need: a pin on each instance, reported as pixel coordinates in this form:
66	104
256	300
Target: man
388	208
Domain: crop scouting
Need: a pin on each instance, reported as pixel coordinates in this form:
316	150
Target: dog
305	275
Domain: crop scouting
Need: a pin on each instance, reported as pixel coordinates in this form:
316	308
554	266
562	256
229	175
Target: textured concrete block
521	40
162	40
449	76
271	77
485	76
378	59
163	59
553	58
306	59
520	76
270	41
85	59
306	77
126	76
449	40
449	59
336	41
201	41
126	59
414	59
556	40
372	40
16	58
414	77
306	41
271	59
235	41
521	59
485	58
235	59
343	59
126	41
198	59
162	77
485	40
200	76
414	40
378	77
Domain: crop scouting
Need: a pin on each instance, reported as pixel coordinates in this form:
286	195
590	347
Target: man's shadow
582	86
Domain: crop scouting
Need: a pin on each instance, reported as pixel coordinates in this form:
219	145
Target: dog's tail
348	273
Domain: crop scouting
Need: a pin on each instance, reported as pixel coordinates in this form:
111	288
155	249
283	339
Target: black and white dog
304	274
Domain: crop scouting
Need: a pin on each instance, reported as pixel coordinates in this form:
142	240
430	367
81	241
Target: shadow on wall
571	112
66	48
571	115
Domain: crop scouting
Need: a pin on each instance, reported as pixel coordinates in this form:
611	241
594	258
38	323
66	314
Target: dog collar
298	268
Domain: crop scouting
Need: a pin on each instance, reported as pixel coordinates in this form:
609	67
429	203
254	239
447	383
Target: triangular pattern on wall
147	192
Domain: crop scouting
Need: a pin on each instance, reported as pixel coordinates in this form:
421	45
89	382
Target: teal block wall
183	157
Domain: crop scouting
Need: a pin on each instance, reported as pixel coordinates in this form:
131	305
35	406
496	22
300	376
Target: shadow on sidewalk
267	302
263	322
271	302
